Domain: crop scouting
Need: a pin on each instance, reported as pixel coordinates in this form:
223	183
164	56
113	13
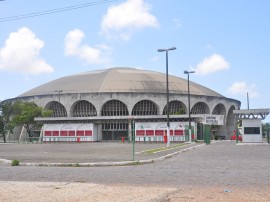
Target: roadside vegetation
156	150
21	114
15	162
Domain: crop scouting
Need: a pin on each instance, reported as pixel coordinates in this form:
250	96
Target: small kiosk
251	124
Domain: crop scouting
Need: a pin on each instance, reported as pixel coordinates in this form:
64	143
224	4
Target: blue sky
227	42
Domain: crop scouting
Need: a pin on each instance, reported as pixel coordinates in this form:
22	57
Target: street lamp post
59	91
167	93
189	121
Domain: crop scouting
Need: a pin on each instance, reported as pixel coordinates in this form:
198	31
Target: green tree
265	128
6	125
25	114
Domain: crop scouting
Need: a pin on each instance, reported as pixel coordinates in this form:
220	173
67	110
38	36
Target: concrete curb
253	144
102	164
5	161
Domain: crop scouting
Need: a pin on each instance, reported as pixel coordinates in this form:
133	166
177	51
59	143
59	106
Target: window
251	130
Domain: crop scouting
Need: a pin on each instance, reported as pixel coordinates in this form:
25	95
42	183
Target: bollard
268	138
123	140
165	138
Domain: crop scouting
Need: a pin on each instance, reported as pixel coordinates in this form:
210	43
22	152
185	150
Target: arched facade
110	94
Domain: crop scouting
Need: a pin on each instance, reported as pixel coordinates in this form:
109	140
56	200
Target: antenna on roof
247	101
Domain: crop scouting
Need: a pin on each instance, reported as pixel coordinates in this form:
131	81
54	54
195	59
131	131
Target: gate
114	131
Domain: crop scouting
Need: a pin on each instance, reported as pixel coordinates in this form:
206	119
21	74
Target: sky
226	42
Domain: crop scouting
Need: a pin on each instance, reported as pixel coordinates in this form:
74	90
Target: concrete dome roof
119	80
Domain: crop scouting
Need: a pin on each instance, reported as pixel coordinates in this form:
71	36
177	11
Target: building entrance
114	135
114	131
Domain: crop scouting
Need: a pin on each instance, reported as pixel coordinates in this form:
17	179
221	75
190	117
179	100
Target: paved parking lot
222	163
222	171
84	152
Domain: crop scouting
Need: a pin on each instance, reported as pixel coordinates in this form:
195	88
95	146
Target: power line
52	11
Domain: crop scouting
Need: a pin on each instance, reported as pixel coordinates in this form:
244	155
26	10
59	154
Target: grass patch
76	165
15	162
152	151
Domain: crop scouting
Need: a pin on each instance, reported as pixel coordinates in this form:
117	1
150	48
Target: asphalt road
221	164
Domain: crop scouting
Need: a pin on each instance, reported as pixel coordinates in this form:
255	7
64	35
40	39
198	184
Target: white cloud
21	53
242	88
73	47
123	19
211	64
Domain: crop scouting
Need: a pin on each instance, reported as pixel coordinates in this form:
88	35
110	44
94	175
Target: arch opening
200	108
114	130
176	108
58	109
84	108
144	108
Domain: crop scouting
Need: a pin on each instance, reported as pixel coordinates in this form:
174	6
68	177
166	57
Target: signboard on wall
213	119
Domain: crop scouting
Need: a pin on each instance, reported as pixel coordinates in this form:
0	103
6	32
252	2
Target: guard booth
251	124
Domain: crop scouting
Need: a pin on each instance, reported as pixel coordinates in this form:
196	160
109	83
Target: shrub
15	162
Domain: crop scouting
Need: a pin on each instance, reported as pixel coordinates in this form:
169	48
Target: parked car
234	137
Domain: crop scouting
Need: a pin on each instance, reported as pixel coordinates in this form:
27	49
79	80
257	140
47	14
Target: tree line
21	114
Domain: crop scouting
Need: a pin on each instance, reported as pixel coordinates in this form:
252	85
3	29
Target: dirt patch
81	191
213	194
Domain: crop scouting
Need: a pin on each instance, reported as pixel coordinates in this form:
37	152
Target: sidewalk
90	154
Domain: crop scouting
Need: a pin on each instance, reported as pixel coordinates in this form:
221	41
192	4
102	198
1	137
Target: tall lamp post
167	92
59	91
189	121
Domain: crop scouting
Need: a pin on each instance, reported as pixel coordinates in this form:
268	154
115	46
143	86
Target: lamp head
188	72
164	49
172	48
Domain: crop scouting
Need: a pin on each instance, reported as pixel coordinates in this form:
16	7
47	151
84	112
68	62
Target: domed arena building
110	104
